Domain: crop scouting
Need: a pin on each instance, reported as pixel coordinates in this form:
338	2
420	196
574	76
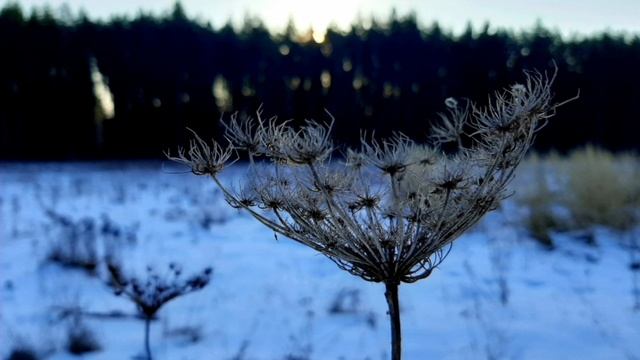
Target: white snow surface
271	298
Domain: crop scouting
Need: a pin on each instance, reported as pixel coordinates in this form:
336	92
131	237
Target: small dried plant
153	292
74	242
391	210
80	338
539	199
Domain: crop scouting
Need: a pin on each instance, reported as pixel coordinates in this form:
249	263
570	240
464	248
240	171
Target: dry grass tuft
602	188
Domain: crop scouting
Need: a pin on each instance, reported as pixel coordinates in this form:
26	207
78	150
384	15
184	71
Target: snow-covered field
498	295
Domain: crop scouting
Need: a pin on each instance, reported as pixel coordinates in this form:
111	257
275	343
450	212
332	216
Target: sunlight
316	16
318	35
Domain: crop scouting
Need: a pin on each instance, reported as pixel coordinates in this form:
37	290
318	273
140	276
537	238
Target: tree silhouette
382	76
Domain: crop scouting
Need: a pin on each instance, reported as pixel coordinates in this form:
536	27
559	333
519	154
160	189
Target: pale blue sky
568	16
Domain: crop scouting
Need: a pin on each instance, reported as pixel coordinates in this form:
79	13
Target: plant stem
147	325
633	251
391	293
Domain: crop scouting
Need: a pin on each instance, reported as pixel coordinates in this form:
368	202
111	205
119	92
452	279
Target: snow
497	296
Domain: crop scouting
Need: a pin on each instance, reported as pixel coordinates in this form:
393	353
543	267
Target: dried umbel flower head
203	158
404	203
451	128
154	290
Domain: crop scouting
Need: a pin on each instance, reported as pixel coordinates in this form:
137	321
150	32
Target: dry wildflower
452	125
391	155
390	213
203	158
310	144
243	134
154	291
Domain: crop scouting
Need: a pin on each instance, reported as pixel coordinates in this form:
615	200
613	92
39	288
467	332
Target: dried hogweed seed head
451	126
390	155
392	210
155	291
203	158
308	145
243	133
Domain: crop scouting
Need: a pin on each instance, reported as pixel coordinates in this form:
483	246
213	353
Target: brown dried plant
390	212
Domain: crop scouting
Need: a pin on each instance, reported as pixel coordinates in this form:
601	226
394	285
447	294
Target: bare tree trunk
147	347
391	293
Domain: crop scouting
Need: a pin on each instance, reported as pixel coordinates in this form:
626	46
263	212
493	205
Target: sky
570	17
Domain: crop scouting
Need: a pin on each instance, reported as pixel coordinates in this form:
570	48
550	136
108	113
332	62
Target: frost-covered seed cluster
391	210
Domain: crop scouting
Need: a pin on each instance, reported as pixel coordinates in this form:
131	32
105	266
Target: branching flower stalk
391	211
153	292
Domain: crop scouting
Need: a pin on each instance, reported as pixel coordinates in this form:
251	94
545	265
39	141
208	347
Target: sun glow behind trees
316	16
568	17
162	70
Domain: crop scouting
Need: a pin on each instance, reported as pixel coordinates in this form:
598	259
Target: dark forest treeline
167	73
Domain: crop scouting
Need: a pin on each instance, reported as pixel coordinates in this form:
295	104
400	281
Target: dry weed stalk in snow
155	291
390	212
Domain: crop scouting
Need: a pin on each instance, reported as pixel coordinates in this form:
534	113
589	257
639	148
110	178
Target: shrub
602	189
